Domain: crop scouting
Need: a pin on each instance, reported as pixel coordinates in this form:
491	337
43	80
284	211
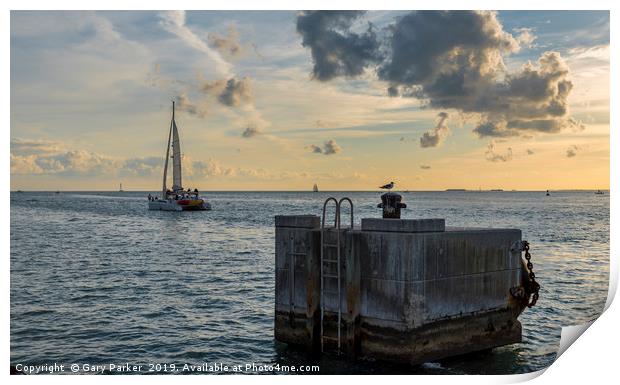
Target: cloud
493	156
437	135
227	45
174	22
183	103
336	51
330	147
572	151
450	60
236	92
251	131
525	37
73	162
21	146
209	168
147	166
494	130
316	149
425	167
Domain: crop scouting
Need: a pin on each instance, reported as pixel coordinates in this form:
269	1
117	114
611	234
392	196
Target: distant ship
456	189
176	199
120	187
599	192
315	188
497	189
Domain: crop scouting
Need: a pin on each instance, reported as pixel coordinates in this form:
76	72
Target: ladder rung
330	245
330	276
330	260
298	254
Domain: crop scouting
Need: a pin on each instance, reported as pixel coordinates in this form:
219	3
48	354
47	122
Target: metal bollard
391	205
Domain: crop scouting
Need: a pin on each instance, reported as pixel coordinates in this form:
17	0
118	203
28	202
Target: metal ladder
327	262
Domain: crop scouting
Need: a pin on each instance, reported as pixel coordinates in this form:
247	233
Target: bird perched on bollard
388	186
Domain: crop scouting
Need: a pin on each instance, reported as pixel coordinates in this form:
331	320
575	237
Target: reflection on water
97	278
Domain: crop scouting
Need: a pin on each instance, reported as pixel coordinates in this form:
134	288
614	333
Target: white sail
176	158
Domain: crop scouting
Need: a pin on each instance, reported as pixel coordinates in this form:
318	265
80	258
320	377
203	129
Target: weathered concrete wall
297	280
409	293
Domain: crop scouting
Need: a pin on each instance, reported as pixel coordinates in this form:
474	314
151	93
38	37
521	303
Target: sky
282	100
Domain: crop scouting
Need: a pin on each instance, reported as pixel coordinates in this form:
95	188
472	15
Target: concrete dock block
412	289
403	225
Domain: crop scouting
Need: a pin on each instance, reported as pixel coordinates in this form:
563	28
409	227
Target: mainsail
176	157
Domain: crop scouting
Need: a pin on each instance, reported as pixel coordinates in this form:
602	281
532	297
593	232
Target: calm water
98	279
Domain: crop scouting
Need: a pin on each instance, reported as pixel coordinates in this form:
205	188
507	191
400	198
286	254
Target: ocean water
97	279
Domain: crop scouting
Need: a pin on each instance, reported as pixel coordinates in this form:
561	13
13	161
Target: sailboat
315	188
176	199
120	187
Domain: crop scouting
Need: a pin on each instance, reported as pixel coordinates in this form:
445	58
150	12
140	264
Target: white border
591	359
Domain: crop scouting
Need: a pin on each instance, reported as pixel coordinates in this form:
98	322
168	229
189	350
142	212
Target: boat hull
179	205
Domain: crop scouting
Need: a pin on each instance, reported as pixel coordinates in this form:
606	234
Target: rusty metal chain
534	287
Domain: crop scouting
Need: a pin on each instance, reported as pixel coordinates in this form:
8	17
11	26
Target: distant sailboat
120	187
315	188
599	192
176	199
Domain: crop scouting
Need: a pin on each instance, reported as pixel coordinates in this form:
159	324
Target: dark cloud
336	51
251	131
330	147
572	151
495	130
315	149
454	60
236	92
425	167
493	156
230	92
436	136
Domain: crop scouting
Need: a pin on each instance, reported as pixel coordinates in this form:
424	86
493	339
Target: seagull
388	186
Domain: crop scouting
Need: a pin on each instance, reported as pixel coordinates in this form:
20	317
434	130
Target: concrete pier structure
410	291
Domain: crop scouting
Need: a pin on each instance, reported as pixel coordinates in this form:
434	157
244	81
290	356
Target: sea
98	280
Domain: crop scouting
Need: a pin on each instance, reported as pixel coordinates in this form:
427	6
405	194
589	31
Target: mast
176	156
163	191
